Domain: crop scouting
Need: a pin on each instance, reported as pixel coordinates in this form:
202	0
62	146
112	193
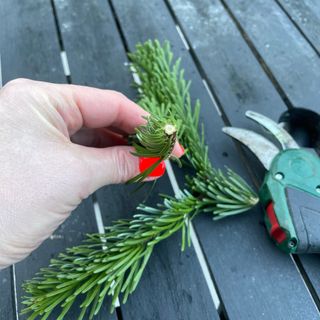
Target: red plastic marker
275	232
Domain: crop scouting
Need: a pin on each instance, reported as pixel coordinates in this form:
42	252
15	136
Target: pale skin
59	143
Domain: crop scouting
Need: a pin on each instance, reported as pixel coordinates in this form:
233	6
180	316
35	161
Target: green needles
112	264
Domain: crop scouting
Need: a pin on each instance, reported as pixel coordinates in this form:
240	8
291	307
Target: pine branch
107	264
112	263
164	91
155	139
222	194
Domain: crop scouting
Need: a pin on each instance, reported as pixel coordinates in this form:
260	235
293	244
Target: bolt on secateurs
290	192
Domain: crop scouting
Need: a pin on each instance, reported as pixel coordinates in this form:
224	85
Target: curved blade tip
252	114
232	130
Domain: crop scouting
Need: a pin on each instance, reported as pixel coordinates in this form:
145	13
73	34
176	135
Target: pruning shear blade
264	150
285	139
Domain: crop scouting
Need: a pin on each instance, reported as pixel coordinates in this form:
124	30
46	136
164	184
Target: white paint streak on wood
98	215
214	101
193	235
14	279
195	243
183	38
65	63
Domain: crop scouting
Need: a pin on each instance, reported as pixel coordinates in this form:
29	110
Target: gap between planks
99	221
14	280
172	178
173	181
195	242
296	260
296	24
204	81
258	56
193	235
96	206
305	278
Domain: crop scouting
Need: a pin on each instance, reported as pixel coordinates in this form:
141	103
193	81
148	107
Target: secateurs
290	192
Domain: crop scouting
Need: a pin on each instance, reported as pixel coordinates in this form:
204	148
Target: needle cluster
112	264
164	91
155	139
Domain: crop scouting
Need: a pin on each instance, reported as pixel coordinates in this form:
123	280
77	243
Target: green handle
290	195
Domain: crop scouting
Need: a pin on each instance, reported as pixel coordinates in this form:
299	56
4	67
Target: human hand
59	143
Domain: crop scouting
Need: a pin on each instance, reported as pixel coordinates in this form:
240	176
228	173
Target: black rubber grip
305	212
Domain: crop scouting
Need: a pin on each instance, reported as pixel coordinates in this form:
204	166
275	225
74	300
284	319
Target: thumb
108	165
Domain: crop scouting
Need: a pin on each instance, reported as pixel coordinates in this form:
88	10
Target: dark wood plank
70	233
250	272
93	45
311	265
7	298
232	70
290	58
173	286
306	14
30	48
227	45
228	64
293	62
28	42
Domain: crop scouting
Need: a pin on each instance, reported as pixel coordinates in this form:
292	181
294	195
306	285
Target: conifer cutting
112	264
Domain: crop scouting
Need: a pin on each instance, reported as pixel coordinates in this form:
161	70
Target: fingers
178	150
93	108
109	165
103	138
103	108
115	165
90	107
98	138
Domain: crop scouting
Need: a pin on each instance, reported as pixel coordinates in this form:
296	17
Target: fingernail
182	148
146	163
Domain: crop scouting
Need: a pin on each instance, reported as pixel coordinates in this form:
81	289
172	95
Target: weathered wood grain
93	45
173	286
288	55
243	261
70	233
245	264
7	297
28	41
306	14
30	48
293	62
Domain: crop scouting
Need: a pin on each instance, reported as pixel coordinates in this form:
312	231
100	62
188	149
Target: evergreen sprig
107	264
164	91
155	139
113	263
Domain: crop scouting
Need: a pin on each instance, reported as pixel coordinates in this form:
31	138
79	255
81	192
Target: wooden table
240	54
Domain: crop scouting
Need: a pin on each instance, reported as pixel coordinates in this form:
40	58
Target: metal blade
263	149
285	139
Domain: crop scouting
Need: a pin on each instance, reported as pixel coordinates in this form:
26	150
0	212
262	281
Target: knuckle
125	168
14	86
18	81
119	95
